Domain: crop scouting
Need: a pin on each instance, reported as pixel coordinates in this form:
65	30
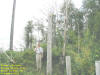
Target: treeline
82	40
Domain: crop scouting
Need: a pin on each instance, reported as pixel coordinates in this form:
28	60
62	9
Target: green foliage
88	30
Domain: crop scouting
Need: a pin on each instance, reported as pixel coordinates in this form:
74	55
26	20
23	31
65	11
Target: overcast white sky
25	11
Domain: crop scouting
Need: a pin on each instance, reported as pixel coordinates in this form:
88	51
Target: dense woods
82	41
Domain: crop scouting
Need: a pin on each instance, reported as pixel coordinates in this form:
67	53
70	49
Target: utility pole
49	46
12	26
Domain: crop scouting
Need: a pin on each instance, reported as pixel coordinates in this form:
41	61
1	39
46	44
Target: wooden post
49	46
68	65
97	65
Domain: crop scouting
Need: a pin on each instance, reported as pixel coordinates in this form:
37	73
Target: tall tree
67	2
28	34
91	8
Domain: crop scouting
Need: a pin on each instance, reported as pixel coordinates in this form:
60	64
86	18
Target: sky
25	10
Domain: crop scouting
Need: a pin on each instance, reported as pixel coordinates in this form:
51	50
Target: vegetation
82	42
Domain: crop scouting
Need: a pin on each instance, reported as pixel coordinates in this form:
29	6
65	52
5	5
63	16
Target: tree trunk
65	28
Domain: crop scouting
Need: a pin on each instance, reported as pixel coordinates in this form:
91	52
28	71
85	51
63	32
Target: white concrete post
49	46
97	65
68	65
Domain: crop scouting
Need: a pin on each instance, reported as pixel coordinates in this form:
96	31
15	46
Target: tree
28	35
92	9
